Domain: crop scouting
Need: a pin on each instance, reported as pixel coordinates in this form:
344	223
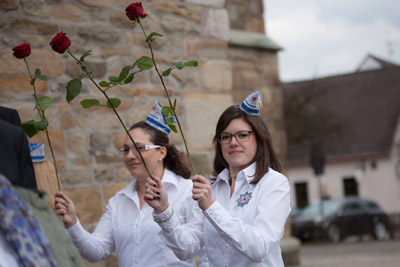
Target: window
301	194
350	187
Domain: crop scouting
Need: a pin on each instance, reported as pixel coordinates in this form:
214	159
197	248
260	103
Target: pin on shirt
244	199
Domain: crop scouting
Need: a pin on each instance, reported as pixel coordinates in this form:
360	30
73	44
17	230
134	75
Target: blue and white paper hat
252	104
156	119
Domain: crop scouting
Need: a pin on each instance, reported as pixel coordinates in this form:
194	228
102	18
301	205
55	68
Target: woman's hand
156	195
202	192
65	208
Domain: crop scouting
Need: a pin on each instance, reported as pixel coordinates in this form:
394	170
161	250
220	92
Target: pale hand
202	192
156	195
65	208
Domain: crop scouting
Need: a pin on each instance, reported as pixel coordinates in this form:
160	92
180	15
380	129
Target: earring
159	159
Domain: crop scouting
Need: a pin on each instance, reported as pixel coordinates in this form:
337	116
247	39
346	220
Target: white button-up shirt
244	229
133	232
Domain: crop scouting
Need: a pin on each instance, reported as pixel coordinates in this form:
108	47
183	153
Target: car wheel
334	234
380	231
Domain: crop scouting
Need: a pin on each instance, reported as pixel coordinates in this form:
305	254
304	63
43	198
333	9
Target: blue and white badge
244	199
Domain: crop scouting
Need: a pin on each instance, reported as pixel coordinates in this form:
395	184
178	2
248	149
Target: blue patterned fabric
252	104
22	230
156	119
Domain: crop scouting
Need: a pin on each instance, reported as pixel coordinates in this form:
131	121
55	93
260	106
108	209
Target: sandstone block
216	75
102	175
77	142
35	8
14	66
96	3
119	19
74	13
186	11
215	3
67	121
217	24
9	87
33	40
202	112
175	24
99	69
87	202
48	61
99	33
28	25
6	5
82	161
75	177
57	143
104	123
123	173
194	46
109	52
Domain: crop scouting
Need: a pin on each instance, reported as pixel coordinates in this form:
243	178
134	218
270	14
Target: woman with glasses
245	206
127	224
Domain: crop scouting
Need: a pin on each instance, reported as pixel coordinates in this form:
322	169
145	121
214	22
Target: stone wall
86	142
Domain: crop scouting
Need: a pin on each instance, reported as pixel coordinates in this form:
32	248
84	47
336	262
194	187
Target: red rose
135	10
21	51
60	42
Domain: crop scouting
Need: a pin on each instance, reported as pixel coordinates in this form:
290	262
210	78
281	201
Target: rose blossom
22	50
135	10
60	42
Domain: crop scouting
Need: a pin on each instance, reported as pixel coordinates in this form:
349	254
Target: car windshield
329	207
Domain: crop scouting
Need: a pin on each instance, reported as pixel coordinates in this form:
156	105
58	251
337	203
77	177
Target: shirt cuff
167	220
75	232
216	214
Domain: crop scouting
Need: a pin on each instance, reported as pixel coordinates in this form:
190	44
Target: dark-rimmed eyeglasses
125	150
241	136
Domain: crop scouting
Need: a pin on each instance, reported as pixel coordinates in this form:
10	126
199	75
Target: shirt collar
247	172
169	178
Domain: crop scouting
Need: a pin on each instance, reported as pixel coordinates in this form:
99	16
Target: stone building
226	37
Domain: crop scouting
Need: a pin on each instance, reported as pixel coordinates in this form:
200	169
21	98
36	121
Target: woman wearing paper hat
127	224
245	206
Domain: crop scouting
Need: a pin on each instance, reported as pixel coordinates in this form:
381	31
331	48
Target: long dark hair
265	156
173	161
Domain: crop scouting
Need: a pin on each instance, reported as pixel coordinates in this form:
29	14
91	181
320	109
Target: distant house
354	121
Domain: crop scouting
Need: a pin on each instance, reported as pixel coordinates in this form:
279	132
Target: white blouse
133	232
244	229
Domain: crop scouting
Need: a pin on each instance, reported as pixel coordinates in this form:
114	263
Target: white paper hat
252	104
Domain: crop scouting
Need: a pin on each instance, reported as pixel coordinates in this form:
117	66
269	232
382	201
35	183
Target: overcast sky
327	37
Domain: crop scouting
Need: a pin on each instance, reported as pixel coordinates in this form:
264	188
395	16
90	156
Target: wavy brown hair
265	156
173	161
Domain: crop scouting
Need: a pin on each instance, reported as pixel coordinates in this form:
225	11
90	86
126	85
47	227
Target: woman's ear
163	152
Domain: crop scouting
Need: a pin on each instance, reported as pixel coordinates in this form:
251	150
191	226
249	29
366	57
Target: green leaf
88	53
130	78
88	103
178	65
38	74
104	84
175	104
150	38
73	89
168	113
166	72
192	63
45	102
84	69
114	101
113	78
29	128
33	80
124	72
144	63
41	125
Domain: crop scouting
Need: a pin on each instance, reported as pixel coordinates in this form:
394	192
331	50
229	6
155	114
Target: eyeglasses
125	150
241	136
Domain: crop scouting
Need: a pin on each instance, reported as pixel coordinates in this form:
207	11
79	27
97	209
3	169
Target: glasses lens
224	138
242	136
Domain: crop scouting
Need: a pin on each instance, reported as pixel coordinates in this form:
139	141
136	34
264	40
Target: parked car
337	219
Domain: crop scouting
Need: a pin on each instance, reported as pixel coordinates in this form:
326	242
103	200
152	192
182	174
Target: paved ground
351	253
